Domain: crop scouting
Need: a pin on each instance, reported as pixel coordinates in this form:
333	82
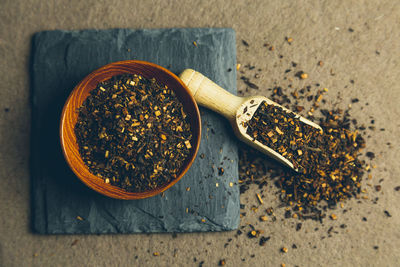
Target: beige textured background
320	32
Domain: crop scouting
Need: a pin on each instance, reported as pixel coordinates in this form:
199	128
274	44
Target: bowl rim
126	195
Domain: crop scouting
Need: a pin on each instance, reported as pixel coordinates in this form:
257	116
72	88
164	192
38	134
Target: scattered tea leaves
370	155
387	213
328	165
259	199
264	240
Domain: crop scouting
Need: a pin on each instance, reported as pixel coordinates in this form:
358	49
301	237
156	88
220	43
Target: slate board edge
41	228
36	191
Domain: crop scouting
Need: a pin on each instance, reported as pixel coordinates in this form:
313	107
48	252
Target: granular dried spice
249	83
370	155
387	213
288	214
264	240
270	211
328	165
253	233
133	132
252	172
309	195
245	43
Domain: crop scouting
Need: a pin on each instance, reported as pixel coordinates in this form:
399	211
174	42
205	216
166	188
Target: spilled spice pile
315	193
327	162
286	134
133	132
329	165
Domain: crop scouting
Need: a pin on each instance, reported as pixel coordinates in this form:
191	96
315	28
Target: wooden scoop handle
208	94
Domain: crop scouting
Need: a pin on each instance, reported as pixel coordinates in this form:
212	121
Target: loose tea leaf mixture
133	132
313	193
284	133
327	162
329	168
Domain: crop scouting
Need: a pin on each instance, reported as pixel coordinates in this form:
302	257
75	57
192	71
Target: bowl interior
80	93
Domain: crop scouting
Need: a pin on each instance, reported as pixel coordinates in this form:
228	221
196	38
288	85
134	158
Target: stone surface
60	60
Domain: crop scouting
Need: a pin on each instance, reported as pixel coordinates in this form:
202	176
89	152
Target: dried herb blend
133	132
328	164
284	133
260	176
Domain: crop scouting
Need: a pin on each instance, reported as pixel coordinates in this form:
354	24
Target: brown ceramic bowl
79	94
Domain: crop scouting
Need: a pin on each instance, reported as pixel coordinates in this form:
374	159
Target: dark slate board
60	59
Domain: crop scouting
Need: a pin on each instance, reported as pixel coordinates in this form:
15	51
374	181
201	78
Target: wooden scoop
210	95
